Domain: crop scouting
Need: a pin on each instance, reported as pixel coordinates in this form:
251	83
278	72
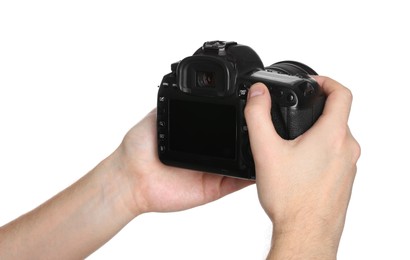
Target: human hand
155	187
304	185
129	182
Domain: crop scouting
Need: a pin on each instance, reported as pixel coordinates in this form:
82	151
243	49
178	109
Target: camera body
200	107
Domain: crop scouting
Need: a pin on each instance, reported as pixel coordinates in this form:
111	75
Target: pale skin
304	188
306	184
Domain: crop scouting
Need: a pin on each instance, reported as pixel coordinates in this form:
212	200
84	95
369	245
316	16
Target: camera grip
278	121
298	121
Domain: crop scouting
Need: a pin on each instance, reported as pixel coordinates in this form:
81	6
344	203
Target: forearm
74	223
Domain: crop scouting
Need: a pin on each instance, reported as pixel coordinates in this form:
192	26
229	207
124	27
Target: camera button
162	123
307	89
162	148
162	110
277	93
243	91
162	99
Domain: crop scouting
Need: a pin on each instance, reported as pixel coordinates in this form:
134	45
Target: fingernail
256	91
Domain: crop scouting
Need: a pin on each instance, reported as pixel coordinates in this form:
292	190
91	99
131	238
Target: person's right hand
304	185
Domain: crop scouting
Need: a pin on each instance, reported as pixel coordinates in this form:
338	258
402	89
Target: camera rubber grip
299	121
278	122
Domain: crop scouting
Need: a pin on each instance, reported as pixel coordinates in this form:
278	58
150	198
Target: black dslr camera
200	109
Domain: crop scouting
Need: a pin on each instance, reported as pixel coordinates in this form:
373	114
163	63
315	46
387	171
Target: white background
76	75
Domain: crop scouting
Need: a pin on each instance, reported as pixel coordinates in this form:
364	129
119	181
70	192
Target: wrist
117	186
304	242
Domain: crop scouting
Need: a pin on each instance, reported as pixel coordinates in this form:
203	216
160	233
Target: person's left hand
155	187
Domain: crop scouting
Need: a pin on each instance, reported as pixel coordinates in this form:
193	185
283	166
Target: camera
200	107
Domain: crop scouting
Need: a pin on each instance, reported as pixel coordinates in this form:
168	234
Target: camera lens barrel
292	68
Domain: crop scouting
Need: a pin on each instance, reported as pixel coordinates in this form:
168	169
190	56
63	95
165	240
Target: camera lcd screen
202	128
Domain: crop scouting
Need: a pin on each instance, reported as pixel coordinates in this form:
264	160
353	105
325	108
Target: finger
217	186
259	121
339	99
229	185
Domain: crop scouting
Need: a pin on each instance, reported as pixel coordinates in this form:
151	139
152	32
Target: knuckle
347	93
343	143
339	134
356	150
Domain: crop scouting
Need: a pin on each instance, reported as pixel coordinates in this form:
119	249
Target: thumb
262	134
